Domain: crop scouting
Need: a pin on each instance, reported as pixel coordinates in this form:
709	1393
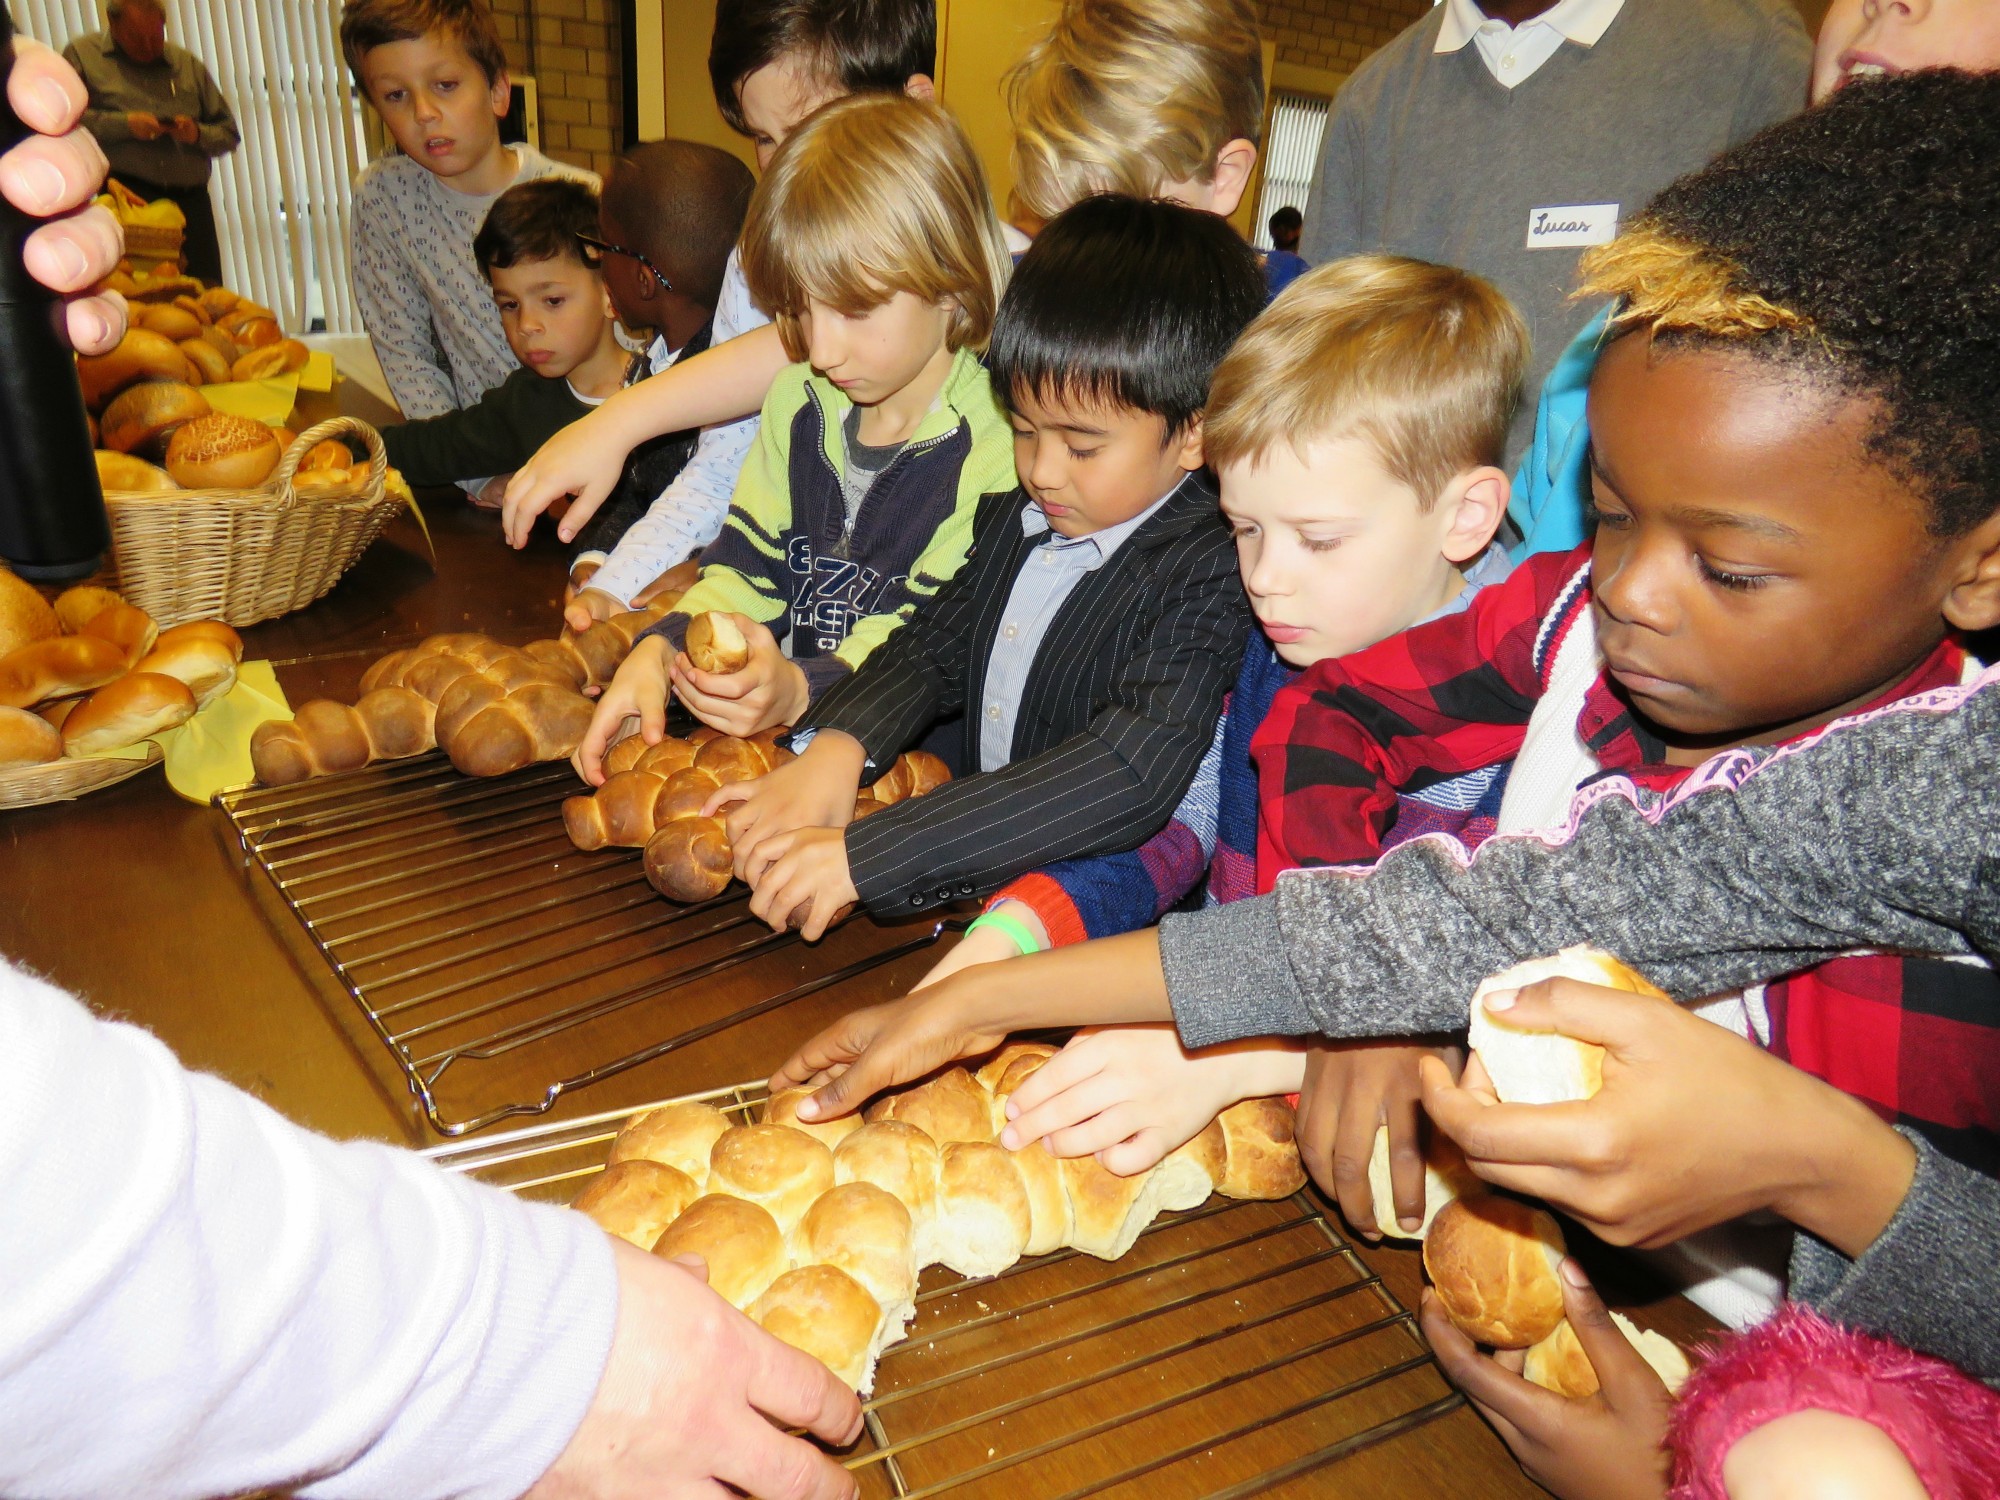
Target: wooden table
142	903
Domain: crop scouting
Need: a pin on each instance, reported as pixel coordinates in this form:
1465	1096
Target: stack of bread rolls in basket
820	1230
91	673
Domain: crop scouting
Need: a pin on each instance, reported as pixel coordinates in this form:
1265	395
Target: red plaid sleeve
1418	708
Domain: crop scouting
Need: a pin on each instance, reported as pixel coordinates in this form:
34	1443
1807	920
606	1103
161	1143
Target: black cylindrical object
52	523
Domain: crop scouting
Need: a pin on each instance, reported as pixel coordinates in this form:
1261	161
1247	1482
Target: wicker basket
154	237
66	780
241	556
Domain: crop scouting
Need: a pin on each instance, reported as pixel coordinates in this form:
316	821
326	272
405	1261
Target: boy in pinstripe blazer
1088	641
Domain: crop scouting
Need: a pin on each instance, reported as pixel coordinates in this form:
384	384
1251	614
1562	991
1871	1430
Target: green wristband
1014	927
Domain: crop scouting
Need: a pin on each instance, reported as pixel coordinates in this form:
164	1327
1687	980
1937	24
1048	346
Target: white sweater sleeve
202	1298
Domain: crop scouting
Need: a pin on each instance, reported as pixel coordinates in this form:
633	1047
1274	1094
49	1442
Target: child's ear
1192	452
921	86
1233	165
1471	510
501	93
1974	600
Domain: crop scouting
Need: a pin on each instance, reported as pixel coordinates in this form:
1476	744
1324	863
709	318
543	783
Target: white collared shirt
1513	54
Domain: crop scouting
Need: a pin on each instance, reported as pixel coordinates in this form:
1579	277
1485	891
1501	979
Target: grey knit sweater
1882	832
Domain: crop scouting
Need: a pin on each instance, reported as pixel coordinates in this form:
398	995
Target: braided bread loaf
819	1231
590	659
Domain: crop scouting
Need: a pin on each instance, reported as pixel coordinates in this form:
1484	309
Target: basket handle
332	427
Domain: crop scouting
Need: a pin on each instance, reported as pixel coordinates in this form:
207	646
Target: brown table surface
142	903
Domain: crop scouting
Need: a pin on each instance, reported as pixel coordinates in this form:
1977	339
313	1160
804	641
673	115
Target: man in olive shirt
159	117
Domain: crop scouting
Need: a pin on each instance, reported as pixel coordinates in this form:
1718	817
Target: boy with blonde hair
873	242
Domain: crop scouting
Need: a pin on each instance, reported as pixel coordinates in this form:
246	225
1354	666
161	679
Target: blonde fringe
1669	285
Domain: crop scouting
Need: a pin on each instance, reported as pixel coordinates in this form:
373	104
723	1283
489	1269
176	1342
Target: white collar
1581	21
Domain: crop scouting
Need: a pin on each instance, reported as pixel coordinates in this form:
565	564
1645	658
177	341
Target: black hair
859	44
537	220
1125	302
681	205
1286	218
1874	220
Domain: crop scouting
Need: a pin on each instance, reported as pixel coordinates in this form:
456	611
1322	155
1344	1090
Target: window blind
282	197
1291	158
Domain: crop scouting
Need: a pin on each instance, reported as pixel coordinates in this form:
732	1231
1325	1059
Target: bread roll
193	308
637	1200
130	630
1559	1364
207	361
25	616
1190	1172
775	1166
1492	1260
140	355
222	344
173	321
1262	1159
327	453
1540	1067
715	643
57	668
55	714
685	793
950	1107
824	1312
198	658
120	473
75	607
900	1159
689	860
1008	1068
679	1135
739	1241
135	707
983	1218
142	418
731	760
624	754
218	301
222	452
254	331
927	772
1110	1211
1446	1177
265	361
869	1234
782	1108
27	740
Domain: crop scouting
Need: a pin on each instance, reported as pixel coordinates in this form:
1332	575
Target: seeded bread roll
637	1200
680	1135
740	1242
1492	1261
222	452
1540	1067
776	1166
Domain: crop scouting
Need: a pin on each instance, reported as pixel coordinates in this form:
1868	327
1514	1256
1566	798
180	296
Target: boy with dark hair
817	49
1088	641
435	73
1283	264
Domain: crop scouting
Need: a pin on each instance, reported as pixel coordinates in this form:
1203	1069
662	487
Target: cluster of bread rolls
91	673
653	795
491	708
819	1231
1491	1258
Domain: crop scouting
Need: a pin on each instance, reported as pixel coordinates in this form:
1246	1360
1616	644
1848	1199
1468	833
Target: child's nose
1637	588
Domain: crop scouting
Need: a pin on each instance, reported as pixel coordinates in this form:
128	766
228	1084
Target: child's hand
867	1051
1130	1094
770	691
805	877
588	607
1693	1125
584	459
987	945
815	791
1351	1088
491	494
1604	1447
638	691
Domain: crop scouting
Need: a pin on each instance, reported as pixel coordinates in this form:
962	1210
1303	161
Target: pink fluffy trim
1946	1423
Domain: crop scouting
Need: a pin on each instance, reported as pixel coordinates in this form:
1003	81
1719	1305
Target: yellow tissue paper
267	401
212	750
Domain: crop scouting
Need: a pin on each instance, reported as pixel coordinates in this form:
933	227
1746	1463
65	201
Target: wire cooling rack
1238	1349
499	965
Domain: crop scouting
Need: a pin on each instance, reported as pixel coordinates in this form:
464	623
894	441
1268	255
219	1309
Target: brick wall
571	47
1335	34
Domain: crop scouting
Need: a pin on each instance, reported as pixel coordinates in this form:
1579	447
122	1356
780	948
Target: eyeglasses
605	247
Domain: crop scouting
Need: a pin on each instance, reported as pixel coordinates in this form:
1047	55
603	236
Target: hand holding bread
751	684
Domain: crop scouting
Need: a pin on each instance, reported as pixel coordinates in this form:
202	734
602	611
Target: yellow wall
691	115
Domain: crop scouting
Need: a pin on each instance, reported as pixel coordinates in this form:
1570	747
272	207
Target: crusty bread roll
120	473
222	452
25	616
900	1159
135	707
222	344
1540	1067
868	1233
252	330
619	814
1446	1177
1559	1364
218	301
782	1108
263	362
949	1107
142	418
637	1200
58	668
983	1219
75	607
193	308
689	859
776	1166
740	1242
141	355
679	1135
1492	1261
175	322
1262	1155
715	643
198	658
826	1313
27	740
128	628
207	361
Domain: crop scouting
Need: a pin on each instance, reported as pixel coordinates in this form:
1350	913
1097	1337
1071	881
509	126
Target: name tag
1572	226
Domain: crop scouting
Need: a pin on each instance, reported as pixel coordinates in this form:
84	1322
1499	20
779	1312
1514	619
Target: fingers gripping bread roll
1540	1067
1492	1261
637	1200
775	1166
715	643
1262	1153
1559	1364
824	1312
680	1135
58	668
782	1108
27	740
739	1241
1446	1177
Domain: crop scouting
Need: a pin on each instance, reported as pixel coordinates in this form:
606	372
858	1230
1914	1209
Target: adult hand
52	175
638	691
769	691
1351	1089
1693	1126
1603	1447
688	1399
185	129
144	126
867	1051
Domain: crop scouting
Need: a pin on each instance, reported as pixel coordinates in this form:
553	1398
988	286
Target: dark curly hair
1860	242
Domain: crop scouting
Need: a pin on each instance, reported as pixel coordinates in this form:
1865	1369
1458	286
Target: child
1155	99
1087	645
873	240
559	322
771	63
435	73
